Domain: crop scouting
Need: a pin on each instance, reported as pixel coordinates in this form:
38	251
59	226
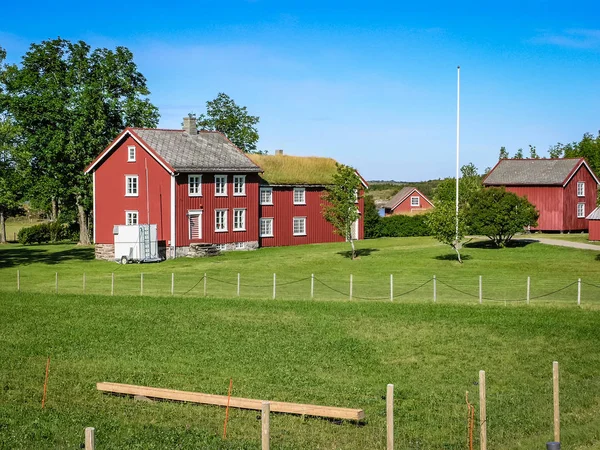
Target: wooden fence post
89	438
205	284
480	290
172	283
389	409
238	285
556	403
18	281
434	290
528	288
391	287
56	282
351	282
578	293
312	286
142	283
482	411
265	417
112	283
274	285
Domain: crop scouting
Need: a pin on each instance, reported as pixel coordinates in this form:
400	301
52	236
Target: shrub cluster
47	232
401	226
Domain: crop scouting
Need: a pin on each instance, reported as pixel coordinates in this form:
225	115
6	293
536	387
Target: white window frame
240	245
415	197
303	221
129	215
137	185
264	190
580	206
581	192
224	229
130	155
221	179
243	224
198	191
303	192
239	181
197	213
266	220
222	247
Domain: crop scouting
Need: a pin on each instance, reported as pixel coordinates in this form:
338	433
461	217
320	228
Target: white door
195	224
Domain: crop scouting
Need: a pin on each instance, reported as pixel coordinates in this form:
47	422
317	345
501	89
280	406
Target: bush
46	232
403	226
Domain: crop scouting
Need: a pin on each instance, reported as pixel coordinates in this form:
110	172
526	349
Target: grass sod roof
285	169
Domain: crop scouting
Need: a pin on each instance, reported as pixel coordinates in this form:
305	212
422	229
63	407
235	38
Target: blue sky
372	84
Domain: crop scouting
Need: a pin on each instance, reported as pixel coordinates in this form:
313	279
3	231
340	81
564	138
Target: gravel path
562	243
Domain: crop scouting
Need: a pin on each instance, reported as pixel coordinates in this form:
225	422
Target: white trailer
136	243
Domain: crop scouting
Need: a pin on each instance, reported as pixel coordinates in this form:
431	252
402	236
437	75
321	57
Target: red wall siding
594	227
549	202
208	203
283	211
405	208
111	202
570	200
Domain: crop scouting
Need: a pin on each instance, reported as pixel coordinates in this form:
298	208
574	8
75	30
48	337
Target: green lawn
330	353
412	262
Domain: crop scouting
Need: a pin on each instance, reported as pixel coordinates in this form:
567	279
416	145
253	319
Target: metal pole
112	283
457	143
238	285
312	286
389	409
391	287
84	282
434	290
528	288
56	283
482	411
578	291
18	281
274	285
205	284
351	286
142	283
556	402
172	283
480	290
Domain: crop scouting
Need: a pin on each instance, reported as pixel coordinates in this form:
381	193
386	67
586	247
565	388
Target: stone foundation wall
198	252
105	252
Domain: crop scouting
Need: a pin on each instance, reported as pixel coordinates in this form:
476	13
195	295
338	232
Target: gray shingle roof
208	151
402	193
531	172
594	215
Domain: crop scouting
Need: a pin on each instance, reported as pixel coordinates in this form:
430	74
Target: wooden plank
235	402
556	401
90	441
266	427
482	412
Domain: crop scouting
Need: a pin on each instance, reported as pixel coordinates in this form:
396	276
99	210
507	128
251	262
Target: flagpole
457	144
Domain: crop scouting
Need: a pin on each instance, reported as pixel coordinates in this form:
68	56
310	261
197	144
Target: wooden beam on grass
235	402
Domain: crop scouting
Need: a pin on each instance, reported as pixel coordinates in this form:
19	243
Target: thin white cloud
582	38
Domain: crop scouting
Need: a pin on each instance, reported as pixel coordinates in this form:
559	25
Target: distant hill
383	190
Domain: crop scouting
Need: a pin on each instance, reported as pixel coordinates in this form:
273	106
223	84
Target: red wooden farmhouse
407	201
200	190
563	190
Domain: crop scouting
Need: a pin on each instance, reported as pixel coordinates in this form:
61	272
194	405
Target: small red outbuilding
594	224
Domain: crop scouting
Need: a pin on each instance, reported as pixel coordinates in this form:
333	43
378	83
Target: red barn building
198	188
291	194
562	190
407	201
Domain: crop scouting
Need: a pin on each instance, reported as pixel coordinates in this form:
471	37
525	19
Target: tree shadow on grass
452	257
359	252
17	256
489	244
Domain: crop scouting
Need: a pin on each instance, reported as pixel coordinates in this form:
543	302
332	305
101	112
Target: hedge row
47	232
400	226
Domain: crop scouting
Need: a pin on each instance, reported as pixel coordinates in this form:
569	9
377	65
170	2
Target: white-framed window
222	247
220	220
415	201
131	153
266	227
239	185
299	226
239	220
581	189
580	210
131	185
221	185
195	185
299	196
266	196
195	224
240	245
131	217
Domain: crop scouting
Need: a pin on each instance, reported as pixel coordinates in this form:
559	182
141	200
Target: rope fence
392	287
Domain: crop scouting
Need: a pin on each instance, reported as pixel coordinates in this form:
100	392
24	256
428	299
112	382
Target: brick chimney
189	124
279	152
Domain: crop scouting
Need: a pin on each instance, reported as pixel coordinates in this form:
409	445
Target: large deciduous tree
69	103
11	178
224	115
499	215
339	207
443	225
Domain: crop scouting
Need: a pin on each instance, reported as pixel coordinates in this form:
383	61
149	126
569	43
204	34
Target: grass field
330	353
411	261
